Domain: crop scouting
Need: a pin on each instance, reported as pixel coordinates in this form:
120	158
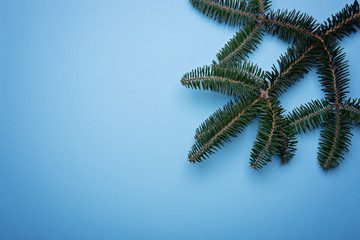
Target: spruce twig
256	92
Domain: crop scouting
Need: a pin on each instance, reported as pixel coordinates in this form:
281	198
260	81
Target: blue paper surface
95	128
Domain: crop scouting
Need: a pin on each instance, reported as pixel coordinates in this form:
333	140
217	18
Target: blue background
95	128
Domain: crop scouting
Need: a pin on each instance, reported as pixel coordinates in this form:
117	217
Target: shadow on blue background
95	128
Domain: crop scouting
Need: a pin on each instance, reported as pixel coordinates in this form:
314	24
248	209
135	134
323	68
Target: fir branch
286	150
352	104
335	140
245	69
228	122
267	139
351	108
326	164
292	67
290	26
343	23
261	6
309	116
333	71
220	80
245	42
333	74
286	25
314	46
233	13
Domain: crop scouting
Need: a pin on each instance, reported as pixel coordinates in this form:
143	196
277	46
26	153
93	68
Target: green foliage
309	116
256	93
335	140
333	71
269	137
342	24
246	69
293	66
223	124
244	43
352	111
286	151
233	13
224	80
290	26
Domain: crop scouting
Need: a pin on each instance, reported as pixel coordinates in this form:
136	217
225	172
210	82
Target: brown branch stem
219	79
261	8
